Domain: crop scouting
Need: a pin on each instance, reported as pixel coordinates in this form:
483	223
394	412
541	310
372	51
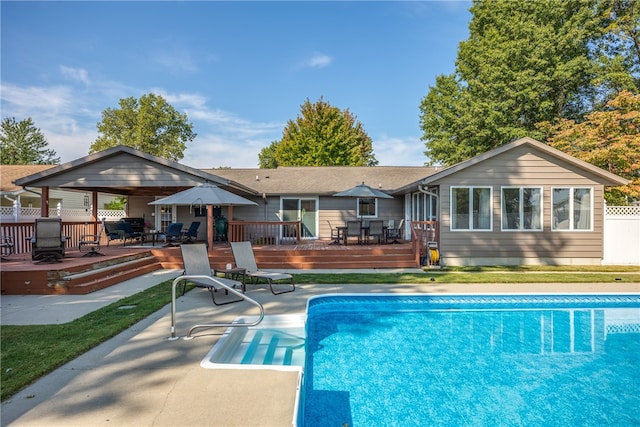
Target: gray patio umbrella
205	194
362	190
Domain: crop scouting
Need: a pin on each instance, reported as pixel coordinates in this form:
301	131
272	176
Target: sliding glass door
303	210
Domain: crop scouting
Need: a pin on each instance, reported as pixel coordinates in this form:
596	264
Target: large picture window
471	208
572	209
521	208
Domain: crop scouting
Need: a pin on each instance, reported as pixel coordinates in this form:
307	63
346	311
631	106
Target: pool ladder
214	282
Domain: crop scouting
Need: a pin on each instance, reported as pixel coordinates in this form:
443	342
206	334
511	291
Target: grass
30	352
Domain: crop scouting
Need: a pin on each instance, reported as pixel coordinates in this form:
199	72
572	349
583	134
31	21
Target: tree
617	52
267	156
525	62
150	125
323	136
608	139
22	143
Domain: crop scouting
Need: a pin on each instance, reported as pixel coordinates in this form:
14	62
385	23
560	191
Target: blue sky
239	70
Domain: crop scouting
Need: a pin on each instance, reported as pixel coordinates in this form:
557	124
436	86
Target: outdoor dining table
364	233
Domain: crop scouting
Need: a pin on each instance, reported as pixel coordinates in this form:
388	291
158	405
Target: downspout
44	201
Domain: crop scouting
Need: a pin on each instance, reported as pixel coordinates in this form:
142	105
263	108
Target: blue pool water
472	360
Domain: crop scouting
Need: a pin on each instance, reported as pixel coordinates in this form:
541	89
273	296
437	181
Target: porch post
210	227
44	202
94	207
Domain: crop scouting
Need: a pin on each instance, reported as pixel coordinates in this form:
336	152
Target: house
522	203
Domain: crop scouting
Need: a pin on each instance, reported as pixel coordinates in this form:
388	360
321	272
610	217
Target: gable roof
607	178
127	171
325	180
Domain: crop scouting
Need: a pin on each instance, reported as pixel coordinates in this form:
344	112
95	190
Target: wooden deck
78	274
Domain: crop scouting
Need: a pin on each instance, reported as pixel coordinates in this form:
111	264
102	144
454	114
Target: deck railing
265	232
257	232
21	233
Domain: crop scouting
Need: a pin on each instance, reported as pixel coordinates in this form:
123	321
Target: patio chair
6	247
191	234
196	263
335	234
127	232
354	229
47	244
245	258
395	233
173	235
113	232
376	229
90	243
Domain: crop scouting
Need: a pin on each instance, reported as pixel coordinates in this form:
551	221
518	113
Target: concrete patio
140	378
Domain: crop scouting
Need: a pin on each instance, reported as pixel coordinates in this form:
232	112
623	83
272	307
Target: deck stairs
289	258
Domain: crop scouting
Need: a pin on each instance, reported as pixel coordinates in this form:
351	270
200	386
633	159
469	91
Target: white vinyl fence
9	214
622	235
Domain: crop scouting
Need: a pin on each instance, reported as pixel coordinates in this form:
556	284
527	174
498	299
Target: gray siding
521	167
121	171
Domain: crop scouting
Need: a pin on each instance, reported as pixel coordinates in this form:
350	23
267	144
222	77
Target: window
471	208
572	209
367	207
521	208
424	207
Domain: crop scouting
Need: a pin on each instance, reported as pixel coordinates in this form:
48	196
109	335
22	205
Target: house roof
9	173
325	180
127	171
607	178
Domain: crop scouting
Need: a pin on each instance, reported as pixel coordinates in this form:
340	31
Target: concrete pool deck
140	378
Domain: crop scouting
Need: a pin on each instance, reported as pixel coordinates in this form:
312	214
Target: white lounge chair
196	263
245	258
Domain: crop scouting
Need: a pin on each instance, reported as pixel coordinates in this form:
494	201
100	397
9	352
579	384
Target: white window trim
375	203
572	228
522	230
470	225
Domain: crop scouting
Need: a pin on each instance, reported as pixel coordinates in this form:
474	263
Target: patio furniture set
364	233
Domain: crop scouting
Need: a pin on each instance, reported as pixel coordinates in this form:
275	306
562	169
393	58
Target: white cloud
76	74
22	100
406	151
319	61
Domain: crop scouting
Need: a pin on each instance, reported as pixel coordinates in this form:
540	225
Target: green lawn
29	352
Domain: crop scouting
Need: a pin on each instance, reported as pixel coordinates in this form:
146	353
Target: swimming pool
471	360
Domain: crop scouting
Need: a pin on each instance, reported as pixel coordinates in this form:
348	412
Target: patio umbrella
363	191
208	195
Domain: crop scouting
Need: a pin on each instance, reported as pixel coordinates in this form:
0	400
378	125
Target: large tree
525	62
609	139
323	135
150	125
22	143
